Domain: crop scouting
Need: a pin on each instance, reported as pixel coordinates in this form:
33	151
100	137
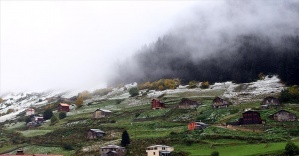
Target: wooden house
101	113
283	115
112	150
94	133
187	104
157	104
219	103
30	111
197	126
159	150
63	107
270	101
250	117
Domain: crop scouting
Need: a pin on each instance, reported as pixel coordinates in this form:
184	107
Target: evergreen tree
47	114
62	115
125	138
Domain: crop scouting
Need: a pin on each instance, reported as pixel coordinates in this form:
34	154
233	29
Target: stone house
187	104
283	115
219	103
94	133
101	113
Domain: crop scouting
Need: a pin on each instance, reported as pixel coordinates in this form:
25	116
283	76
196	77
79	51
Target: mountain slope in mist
235	41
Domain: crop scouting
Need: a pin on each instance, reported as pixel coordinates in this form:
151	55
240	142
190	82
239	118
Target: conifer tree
125	138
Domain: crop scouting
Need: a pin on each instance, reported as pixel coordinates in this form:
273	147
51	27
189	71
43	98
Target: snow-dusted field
236	93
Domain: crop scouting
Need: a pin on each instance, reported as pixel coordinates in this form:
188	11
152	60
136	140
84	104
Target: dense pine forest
242	60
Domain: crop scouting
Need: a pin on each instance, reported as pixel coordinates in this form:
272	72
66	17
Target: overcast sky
73	44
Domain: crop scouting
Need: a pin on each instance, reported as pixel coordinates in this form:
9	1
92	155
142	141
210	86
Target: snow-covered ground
236	93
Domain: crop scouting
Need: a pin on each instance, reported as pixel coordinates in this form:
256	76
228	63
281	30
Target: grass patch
31	133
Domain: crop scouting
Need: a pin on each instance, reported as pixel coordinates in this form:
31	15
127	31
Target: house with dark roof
112	150
283	115
101	113
270	101
250	117
95	133
187	104
219	103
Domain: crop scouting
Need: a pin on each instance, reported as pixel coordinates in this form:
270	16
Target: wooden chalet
197	126
250	117
219	103
101	113
270	101
94	133
283	115
112	150
157	104
63	107
187	104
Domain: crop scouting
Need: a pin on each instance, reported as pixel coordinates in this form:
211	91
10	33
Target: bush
134	91
215	153
68	147
62	115
290	95
291	149
54	120
1	100
47	114
205	85
193	84
79	101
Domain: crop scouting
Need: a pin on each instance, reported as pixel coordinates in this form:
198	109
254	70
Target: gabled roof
158	146
97	130
283	111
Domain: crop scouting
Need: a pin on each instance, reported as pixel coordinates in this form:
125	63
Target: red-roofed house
63	107
157	104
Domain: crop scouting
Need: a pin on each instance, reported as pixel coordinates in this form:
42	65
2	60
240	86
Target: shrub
68	147
193	84
79	101
85	95
291	149
1	100
215	153
62	115
47	114
290	95
205	85
134	91
54	120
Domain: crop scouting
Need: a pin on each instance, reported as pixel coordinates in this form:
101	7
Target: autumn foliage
161	84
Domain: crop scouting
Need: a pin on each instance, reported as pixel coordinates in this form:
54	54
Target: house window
154	153
163	148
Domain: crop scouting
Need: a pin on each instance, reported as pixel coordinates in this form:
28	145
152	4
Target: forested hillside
243	61
232	41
